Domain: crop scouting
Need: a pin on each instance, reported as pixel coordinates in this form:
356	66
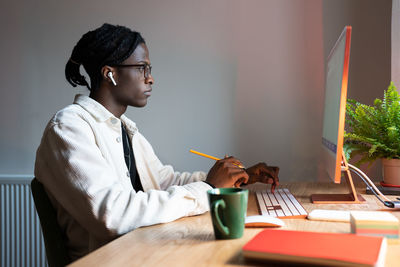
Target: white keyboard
281	204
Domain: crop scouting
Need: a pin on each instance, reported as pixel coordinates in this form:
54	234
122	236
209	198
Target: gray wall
232	77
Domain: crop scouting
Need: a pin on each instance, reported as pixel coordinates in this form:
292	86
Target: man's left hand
263	173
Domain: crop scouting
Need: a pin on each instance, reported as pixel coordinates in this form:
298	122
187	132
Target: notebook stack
375	223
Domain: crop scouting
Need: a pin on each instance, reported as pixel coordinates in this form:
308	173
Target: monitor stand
350	198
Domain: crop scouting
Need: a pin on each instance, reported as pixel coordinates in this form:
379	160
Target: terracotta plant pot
391	171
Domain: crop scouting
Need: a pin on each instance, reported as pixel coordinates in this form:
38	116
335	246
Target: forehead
141	54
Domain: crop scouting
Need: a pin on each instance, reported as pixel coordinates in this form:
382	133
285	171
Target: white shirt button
114	120
128	174
118	139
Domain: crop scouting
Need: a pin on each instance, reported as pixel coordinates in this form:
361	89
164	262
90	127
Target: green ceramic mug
228	207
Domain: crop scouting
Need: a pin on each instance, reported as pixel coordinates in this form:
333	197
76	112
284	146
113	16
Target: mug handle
215	206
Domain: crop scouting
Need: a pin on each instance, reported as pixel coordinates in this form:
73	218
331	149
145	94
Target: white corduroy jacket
81	164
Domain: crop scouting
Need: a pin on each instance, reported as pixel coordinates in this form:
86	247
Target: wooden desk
190	241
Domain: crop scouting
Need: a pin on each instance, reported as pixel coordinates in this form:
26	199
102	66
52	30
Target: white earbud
110	75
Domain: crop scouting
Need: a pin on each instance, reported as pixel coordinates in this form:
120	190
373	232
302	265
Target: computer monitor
337	70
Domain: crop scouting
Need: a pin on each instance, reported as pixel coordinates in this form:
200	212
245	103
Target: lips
148	92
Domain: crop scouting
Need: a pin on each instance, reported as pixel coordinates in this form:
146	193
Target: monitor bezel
334	166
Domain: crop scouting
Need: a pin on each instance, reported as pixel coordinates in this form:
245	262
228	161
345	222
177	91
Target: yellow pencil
211	157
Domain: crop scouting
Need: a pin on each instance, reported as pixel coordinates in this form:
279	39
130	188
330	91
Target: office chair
54	238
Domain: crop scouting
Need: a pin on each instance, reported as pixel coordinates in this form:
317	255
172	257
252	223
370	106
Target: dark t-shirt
130	161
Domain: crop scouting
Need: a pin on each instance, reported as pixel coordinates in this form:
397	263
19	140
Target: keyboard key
281	204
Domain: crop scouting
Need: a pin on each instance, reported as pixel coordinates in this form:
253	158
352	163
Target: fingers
273	171
263	173
230	159
239	182
225	173
273	186
270	172
231	175
243	180
275	179
237	176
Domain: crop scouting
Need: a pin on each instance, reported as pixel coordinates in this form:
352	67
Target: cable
361	173
369	187
387	202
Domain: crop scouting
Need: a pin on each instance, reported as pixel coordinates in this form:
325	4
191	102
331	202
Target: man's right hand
226	173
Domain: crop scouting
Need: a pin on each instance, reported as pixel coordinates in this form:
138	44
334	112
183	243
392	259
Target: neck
106	99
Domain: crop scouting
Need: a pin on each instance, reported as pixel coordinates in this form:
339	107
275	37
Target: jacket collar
100	113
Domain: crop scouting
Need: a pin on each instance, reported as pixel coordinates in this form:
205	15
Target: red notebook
334	249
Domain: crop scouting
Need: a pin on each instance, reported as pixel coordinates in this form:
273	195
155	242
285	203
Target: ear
105	70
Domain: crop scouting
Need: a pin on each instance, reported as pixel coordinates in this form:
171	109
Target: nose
149	79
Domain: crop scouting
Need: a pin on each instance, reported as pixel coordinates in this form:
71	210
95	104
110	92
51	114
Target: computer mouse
263	221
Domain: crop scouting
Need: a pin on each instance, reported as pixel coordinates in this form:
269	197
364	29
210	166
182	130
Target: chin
140	104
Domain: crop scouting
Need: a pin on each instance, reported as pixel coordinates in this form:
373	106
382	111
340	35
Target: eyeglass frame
146	68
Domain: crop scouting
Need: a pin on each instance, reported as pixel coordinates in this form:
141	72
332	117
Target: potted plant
373	132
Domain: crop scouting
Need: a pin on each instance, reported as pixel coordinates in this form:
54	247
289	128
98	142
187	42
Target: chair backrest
54	238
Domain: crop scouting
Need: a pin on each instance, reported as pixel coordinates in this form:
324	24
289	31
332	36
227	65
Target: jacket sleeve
170	177
74	171
166	176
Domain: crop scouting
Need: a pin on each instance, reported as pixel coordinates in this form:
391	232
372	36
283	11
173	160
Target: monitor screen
337	69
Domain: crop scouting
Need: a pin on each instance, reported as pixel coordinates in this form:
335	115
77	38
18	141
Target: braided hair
107	45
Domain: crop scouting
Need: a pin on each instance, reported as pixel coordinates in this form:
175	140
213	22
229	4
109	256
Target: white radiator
21	236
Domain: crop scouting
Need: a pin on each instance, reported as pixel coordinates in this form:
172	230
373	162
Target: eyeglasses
143	68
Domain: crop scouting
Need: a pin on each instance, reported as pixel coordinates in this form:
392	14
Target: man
101	174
